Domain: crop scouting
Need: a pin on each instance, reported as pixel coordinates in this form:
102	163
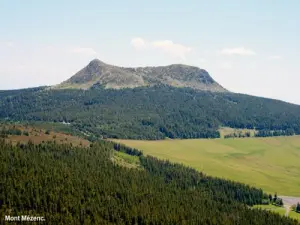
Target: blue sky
247	46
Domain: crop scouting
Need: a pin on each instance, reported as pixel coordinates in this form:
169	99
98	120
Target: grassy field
279	210
269	163
273	208
126	160
227	131
294	215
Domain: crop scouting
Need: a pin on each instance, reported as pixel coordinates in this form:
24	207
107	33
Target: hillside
75	185
97	72
38	134
149	112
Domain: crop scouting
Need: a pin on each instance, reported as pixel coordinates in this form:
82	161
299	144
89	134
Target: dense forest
150	113
75	185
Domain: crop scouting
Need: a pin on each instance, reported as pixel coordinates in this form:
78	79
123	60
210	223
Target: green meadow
294	215
279	210
272	164
273	208
125	160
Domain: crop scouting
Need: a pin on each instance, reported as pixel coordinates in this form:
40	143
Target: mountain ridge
116	77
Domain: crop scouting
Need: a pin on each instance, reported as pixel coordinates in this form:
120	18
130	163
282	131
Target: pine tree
298	208
270	197
275	197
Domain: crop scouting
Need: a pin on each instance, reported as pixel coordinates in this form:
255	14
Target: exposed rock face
97	72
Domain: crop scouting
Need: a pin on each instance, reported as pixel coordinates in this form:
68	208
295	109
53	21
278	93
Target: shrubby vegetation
4	132
275	200
296	208
238	135
272	133
75	185
150	112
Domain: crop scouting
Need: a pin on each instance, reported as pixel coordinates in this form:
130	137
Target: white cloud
167	46
226	65
242	51
83	51
138	43
171	48
275	57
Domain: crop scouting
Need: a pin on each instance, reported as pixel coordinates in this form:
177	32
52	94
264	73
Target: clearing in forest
269	163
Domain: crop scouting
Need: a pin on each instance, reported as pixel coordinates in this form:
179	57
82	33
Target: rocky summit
110	76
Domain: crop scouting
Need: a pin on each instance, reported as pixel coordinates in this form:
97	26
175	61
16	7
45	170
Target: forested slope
72	185
150	113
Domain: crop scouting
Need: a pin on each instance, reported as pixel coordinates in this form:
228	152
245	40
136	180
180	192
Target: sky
249	46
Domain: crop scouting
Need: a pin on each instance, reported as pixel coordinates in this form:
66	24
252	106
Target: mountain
177	75
103	100
150	112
